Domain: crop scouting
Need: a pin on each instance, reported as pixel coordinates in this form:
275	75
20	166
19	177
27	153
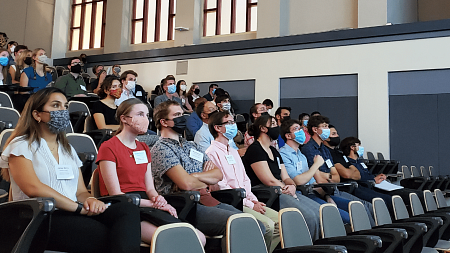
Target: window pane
139	8
211	4
77	16
75	38
98	25
254	1
87	26
174	7
78	1
225	22
241	15
151	21
164	20
138	32
210	24
254	21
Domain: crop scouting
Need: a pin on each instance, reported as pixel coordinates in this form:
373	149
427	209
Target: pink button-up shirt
234	175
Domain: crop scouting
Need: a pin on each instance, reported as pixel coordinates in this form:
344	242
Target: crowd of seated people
277	151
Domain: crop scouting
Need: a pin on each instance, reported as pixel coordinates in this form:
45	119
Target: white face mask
268	111
130	85
183	87
12	49
42	58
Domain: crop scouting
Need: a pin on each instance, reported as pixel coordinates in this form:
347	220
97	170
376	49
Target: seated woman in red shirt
125	167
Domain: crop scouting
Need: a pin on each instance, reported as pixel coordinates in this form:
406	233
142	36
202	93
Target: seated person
297	166
256	111
303	118
34	154
319	131
37	75
169	88
223	103
23	60
269	104
100	73
114	70
122	173
224	129
104	110
192	95
264	166
181	92
3	66
203	137
179	165
194	122
282	114
73	83
210	95
130	88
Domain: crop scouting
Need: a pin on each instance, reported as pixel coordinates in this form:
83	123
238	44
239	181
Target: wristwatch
79	208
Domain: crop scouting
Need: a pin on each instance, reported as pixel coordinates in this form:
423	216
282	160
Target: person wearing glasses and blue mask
224	129
318	128
170	89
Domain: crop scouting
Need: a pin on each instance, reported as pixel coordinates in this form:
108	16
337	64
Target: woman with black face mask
23	60
41	163
193	94
264	166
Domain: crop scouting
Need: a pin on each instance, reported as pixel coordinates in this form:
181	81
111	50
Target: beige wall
434	9
29	22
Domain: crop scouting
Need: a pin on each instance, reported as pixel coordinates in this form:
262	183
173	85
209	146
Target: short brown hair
169	77
216	119
124	74
162	112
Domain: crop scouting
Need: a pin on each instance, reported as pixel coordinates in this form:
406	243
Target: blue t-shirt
311	149
35	80
365	174
281	142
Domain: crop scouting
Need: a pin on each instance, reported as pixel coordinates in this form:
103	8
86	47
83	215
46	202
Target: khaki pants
270	221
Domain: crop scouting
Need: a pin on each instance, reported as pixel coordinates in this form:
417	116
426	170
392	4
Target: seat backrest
78	106
176	237
331	223
380	212
293	228
406	171
400	210
359	219
416	205
440	200
5	100
433	171
9	115
243	235
89	124
380	156
430	203
83	144
425	172
95	182
370	156
4	137
415	172
69	128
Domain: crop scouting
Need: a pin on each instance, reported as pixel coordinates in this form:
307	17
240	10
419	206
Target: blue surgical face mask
214	91
305	122
360	151
231	131
325	134
171	88
300	136
4	61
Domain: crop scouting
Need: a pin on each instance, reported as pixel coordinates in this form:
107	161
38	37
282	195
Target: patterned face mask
59	121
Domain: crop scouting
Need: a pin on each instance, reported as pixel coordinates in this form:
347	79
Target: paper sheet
384	185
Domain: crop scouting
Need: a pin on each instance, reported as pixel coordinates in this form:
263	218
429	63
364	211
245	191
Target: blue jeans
340	202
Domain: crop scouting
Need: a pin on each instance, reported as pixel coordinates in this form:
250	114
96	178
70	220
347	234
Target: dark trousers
118	229
368	194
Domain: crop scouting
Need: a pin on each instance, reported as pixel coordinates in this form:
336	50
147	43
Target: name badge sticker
364	165
196	155
345	158
64	172
140	157
230	159
82	87
299	166
138	93
329	164
279	163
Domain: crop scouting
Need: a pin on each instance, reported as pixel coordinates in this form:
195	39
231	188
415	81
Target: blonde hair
124	109
28	128
33	64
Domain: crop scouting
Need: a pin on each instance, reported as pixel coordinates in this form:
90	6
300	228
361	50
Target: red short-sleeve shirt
131	175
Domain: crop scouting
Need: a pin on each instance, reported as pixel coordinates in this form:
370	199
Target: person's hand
207	166
318	160
259	207
379	178
289	189
159	201
80	95
93	206
170	209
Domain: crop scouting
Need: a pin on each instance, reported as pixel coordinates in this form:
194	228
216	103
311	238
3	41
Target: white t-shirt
44	165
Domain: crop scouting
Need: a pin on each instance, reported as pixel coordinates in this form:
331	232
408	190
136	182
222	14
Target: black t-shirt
256	153
108	112
339	157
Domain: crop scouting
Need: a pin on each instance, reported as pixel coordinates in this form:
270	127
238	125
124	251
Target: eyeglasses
231	122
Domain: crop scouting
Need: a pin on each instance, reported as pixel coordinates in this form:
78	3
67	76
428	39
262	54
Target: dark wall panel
241	91
444	133
414	129
342	111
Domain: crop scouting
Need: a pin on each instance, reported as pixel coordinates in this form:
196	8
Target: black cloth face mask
179	124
